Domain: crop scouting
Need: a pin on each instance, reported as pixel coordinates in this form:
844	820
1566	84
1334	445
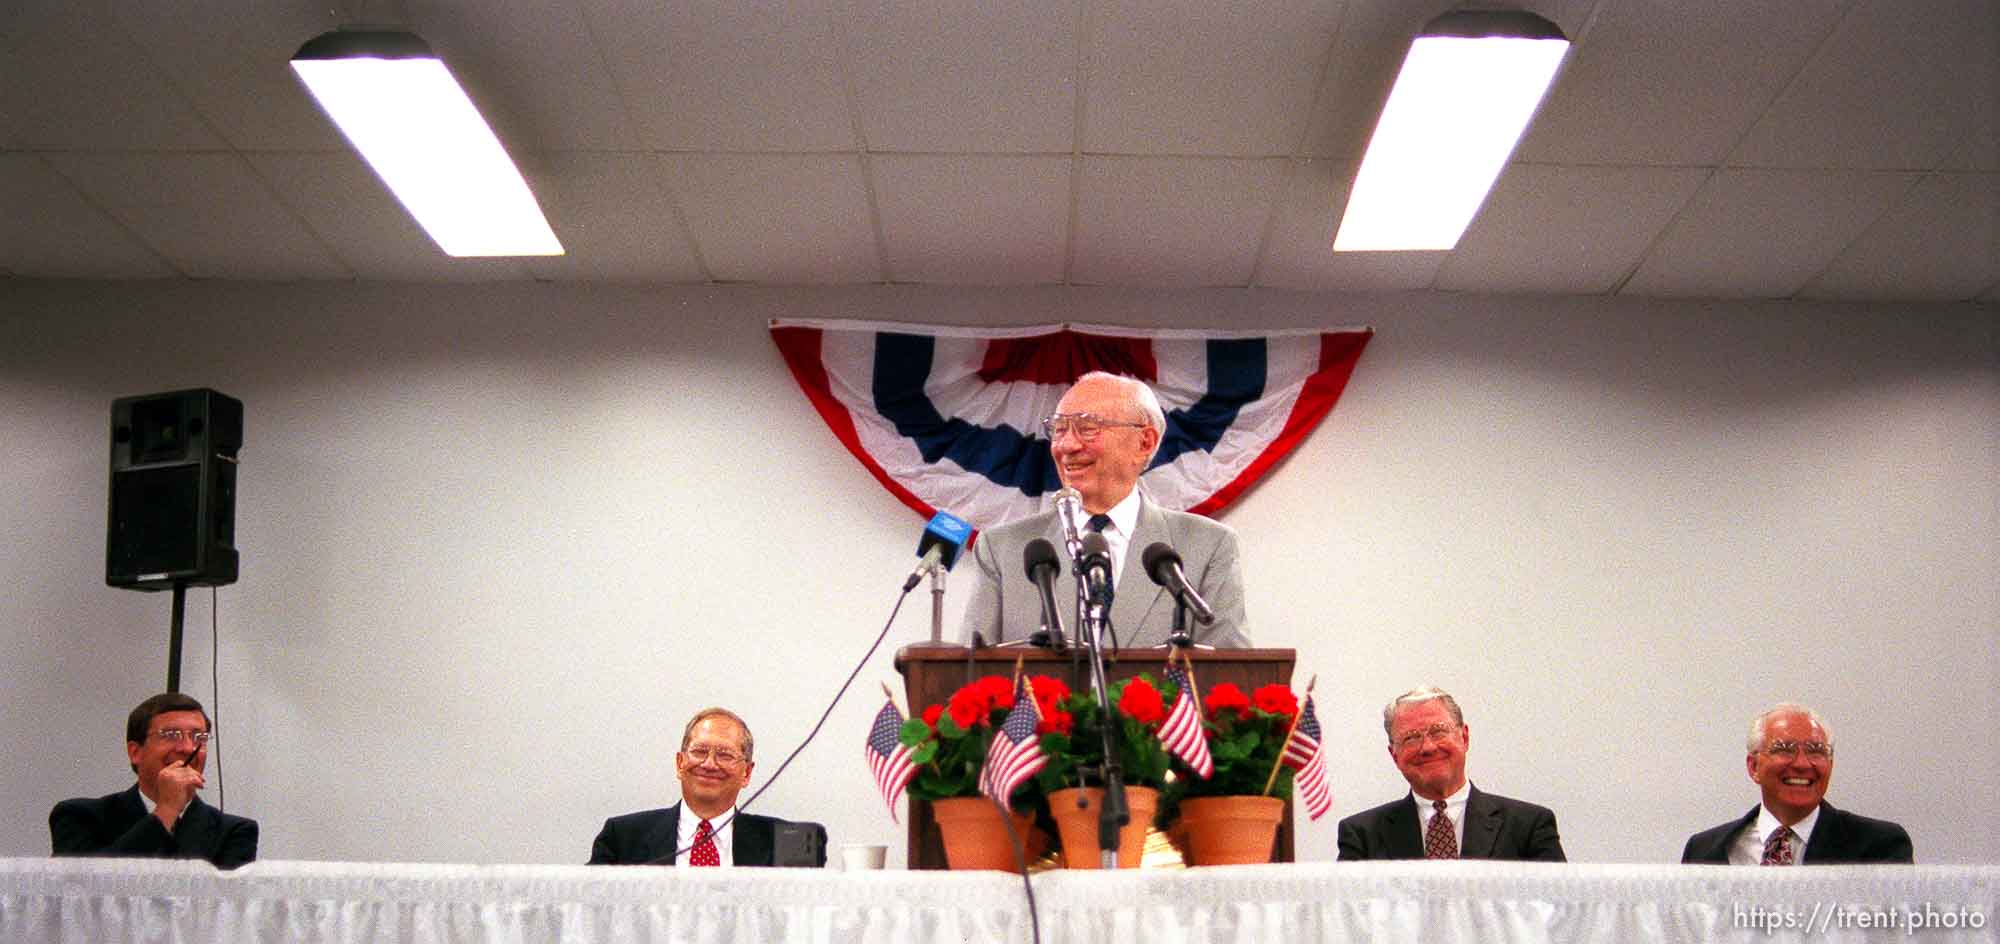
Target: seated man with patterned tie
705	828
1104	434
1790	759
1444	816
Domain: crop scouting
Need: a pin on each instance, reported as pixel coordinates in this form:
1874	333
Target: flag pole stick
1272	780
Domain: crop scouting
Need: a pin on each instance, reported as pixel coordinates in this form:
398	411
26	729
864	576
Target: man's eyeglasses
1786	750
199	739
722	758
1440	732
1086	426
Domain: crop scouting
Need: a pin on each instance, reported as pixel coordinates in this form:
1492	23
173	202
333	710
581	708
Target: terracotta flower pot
1230	830
1079	825
975	836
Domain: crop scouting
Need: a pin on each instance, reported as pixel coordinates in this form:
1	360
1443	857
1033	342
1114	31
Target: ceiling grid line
1680	212
1079	104
843	40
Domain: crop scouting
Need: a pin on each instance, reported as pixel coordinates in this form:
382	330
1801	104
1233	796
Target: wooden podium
931	672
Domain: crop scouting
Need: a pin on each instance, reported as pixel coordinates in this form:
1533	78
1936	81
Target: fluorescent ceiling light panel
1468	87
400	107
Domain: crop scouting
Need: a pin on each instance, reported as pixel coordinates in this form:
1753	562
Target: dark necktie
1098	523
1778	849
704	851
1440	841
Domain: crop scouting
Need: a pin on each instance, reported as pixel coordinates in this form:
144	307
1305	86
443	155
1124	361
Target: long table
108	900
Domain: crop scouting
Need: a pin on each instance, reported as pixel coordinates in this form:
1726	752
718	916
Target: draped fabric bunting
950	418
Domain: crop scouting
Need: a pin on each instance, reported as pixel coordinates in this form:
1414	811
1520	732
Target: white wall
499	541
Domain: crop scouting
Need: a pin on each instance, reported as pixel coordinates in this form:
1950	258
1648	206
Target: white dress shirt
725	836
1748	849
1454	806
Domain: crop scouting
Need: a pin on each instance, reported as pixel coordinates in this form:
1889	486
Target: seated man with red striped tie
1790	758
1444	816
705	828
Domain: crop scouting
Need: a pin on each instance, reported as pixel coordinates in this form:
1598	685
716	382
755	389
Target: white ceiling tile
1556	230
232	61
728	76
534	70
1941	243
616	218
1368	50
1925	71
70	78
1763	233
362	224
1672	83
49	230
1300	253
974	220
965	76
1172	221
1199	77
783	219
208	214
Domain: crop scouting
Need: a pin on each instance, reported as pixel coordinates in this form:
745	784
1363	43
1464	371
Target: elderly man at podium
1103	435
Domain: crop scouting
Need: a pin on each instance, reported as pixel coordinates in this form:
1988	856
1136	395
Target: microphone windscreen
1157	558
1039	553
948	533
1094	545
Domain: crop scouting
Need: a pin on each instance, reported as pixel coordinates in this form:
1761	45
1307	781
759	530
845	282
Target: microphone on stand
1043	565
1095	561
1069	508
1163	564
943	538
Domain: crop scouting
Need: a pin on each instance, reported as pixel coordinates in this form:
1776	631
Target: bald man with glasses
1103	435
167	741
1789	756
705	828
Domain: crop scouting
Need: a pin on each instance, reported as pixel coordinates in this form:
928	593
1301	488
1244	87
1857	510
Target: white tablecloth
103	900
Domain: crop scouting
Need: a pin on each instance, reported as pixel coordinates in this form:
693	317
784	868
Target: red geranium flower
999	691
1056	722
1226	697
1276	699
1142	703
1048	691
968	706
932	714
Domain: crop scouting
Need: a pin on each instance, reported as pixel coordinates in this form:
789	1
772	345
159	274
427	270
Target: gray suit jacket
1005	606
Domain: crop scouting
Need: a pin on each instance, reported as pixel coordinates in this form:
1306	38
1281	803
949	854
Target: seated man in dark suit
166	742
1428	739
1790	759
714	765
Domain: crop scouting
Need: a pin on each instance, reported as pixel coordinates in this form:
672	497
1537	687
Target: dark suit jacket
118	825
1495	828
1838	838
650	837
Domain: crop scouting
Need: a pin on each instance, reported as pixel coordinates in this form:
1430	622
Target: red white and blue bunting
950	418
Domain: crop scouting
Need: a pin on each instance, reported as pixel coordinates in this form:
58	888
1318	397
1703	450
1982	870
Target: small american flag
1302	753
1181	733
1016	753
888	759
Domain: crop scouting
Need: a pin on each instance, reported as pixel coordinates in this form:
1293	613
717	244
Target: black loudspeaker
173	490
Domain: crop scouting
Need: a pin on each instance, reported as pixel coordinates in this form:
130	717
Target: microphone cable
1019	842
215	699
